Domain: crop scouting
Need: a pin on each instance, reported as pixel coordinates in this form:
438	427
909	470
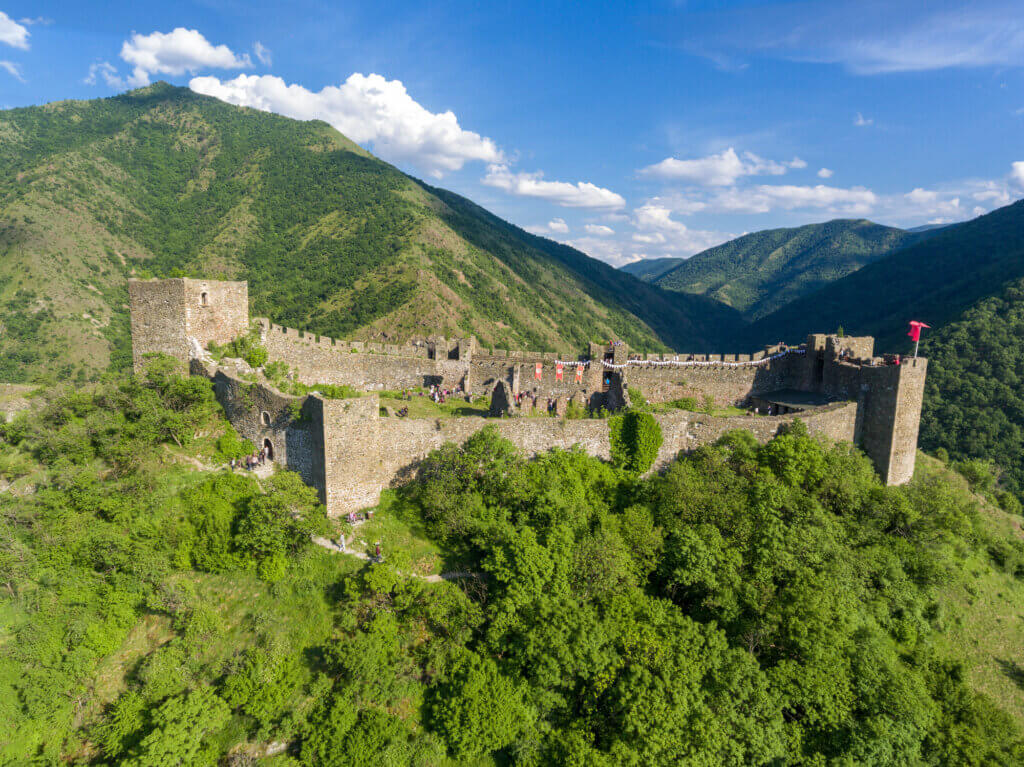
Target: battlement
348	451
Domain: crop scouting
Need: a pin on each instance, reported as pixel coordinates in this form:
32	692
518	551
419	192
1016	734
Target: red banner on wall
558	371
540	367
579	373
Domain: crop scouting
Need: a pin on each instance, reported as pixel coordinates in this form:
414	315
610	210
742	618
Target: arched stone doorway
269	447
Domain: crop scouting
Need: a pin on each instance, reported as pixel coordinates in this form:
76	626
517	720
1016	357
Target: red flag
579	373
915	330
540	367
558	371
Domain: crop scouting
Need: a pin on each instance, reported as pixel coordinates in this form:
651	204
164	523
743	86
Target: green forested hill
752	605
761	272
974	404
330	238
650	269
933	280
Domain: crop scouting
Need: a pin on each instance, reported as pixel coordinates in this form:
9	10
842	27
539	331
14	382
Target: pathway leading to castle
454	575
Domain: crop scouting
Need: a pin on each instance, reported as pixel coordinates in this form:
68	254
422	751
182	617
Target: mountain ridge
933	280
760	272
331	239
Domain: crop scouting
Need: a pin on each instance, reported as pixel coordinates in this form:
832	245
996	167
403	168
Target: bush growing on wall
635	439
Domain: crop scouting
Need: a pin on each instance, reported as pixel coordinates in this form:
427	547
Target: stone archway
269	447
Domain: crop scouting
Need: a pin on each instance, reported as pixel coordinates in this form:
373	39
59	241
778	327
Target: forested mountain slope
974	403
650	269
933	280
330	238
761	272
752	605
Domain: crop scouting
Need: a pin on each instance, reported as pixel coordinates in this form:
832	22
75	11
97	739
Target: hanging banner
579	373
558	371
540	367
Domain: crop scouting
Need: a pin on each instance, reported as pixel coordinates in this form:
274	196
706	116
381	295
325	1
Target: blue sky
631	130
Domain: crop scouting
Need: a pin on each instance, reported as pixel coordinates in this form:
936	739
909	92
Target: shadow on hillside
1013	670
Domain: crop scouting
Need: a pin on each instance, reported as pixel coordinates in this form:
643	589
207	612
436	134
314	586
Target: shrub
635	439
980	475
230	445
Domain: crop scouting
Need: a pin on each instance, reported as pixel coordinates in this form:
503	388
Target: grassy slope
330	238
933	280
760	272
983	612
650	269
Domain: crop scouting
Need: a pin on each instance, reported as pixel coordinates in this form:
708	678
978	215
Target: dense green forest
763	271
164	181
751	605
650	269
934	280
974	401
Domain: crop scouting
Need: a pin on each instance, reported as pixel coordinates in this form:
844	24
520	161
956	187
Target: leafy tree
477	709
635	438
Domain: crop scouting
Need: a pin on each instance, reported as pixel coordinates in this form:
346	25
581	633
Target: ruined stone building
350	451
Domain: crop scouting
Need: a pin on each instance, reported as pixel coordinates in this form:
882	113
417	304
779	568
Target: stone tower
165	314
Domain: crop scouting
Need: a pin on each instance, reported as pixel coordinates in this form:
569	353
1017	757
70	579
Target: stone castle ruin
349	450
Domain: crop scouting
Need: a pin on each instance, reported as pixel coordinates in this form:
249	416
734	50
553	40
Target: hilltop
934	280
759	273
164	181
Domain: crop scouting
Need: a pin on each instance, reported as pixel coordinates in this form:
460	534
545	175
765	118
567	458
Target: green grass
984	617
424	407
404	541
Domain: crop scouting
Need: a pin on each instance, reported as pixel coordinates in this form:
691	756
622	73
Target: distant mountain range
164	181
934	279
650	269
761	272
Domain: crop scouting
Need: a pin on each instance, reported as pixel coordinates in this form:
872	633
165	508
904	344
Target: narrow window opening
204	299
265	417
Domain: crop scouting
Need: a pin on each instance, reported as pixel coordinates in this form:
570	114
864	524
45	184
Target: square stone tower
165	314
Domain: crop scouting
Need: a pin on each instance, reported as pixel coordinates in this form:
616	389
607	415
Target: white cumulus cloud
176	53
722	169
763	198
655	227
861	121
599	230
368	109
554	226
582	194
1017	173
824	173
12	33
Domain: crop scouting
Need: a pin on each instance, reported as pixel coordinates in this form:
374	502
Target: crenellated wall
349	452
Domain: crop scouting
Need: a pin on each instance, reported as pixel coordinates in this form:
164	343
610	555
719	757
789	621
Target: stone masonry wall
157	319
319	359
216	310
259	412
725	385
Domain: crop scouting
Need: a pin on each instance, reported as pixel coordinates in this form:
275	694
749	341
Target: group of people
251	461
440	395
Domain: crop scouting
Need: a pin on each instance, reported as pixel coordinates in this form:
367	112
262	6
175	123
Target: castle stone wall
348	452
157	320
354	454
725	385
318	359
259	412
216	311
